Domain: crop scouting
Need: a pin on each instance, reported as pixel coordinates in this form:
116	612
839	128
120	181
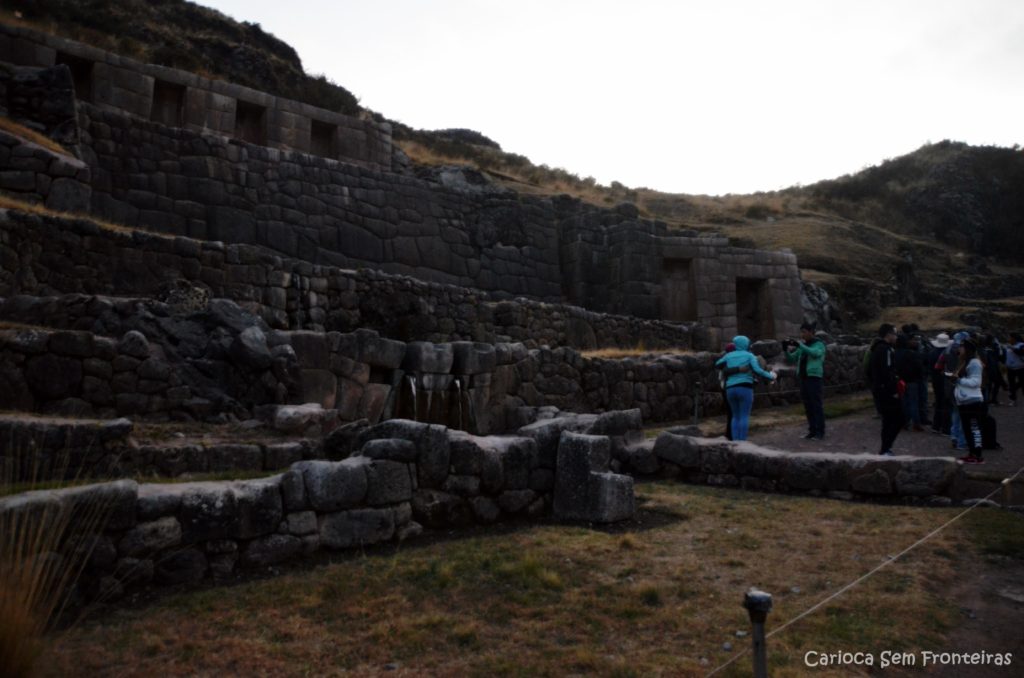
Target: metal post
758	604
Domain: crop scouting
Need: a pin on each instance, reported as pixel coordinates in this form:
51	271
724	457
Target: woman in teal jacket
739	387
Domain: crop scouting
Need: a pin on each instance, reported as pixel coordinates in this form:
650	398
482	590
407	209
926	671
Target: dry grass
43	549
637	351
18	130
550	600
926	317
527	178
9	203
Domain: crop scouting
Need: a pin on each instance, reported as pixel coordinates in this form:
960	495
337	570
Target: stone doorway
678	290
754	316
321	139
168	103
81	74
250	123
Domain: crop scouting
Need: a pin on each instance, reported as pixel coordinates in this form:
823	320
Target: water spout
412	389
458	399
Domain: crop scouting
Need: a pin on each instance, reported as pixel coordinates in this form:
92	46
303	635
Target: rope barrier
870	573
826	387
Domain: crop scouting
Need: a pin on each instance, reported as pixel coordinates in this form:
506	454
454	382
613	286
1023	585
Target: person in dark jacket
1015	365
809	355
992	357
935	365
910	368
885	387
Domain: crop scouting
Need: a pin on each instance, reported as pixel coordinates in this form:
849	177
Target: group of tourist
739	369
965	374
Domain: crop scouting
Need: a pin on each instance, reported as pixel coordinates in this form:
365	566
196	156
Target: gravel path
860	434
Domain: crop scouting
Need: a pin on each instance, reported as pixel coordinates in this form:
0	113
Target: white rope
868	574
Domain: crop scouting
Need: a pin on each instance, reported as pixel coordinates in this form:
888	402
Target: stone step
42	446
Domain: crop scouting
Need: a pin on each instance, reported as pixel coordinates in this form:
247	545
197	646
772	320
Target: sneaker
810	436
935	430
887	453
967	459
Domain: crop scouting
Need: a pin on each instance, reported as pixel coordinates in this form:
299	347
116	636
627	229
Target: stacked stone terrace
211	182
239	284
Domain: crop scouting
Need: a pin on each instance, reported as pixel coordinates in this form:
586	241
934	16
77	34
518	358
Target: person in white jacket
970	402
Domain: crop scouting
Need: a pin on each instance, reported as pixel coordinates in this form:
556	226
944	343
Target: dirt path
991	601
859	434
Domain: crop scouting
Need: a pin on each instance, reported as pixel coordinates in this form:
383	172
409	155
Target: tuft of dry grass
612	353
9	203
19	130
44	546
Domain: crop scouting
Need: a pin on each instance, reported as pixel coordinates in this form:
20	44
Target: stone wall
98	448
37	175
402	475
618	261
320	211
42	99
115	357
181	99
46	256
176	180
936	480
664	388
489	239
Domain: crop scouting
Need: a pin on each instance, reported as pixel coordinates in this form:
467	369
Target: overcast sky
721	96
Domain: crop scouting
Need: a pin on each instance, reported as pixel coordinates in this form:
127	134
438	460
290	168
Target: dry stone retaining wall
401	476
37	175
174	179
115	357
46	256
937	480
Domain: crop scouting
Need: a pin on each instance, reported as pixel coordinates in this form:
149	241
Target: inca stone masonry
173	152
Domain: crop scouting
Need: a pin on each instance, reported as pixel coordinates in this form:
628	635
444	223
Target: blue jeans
741	399
956	429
